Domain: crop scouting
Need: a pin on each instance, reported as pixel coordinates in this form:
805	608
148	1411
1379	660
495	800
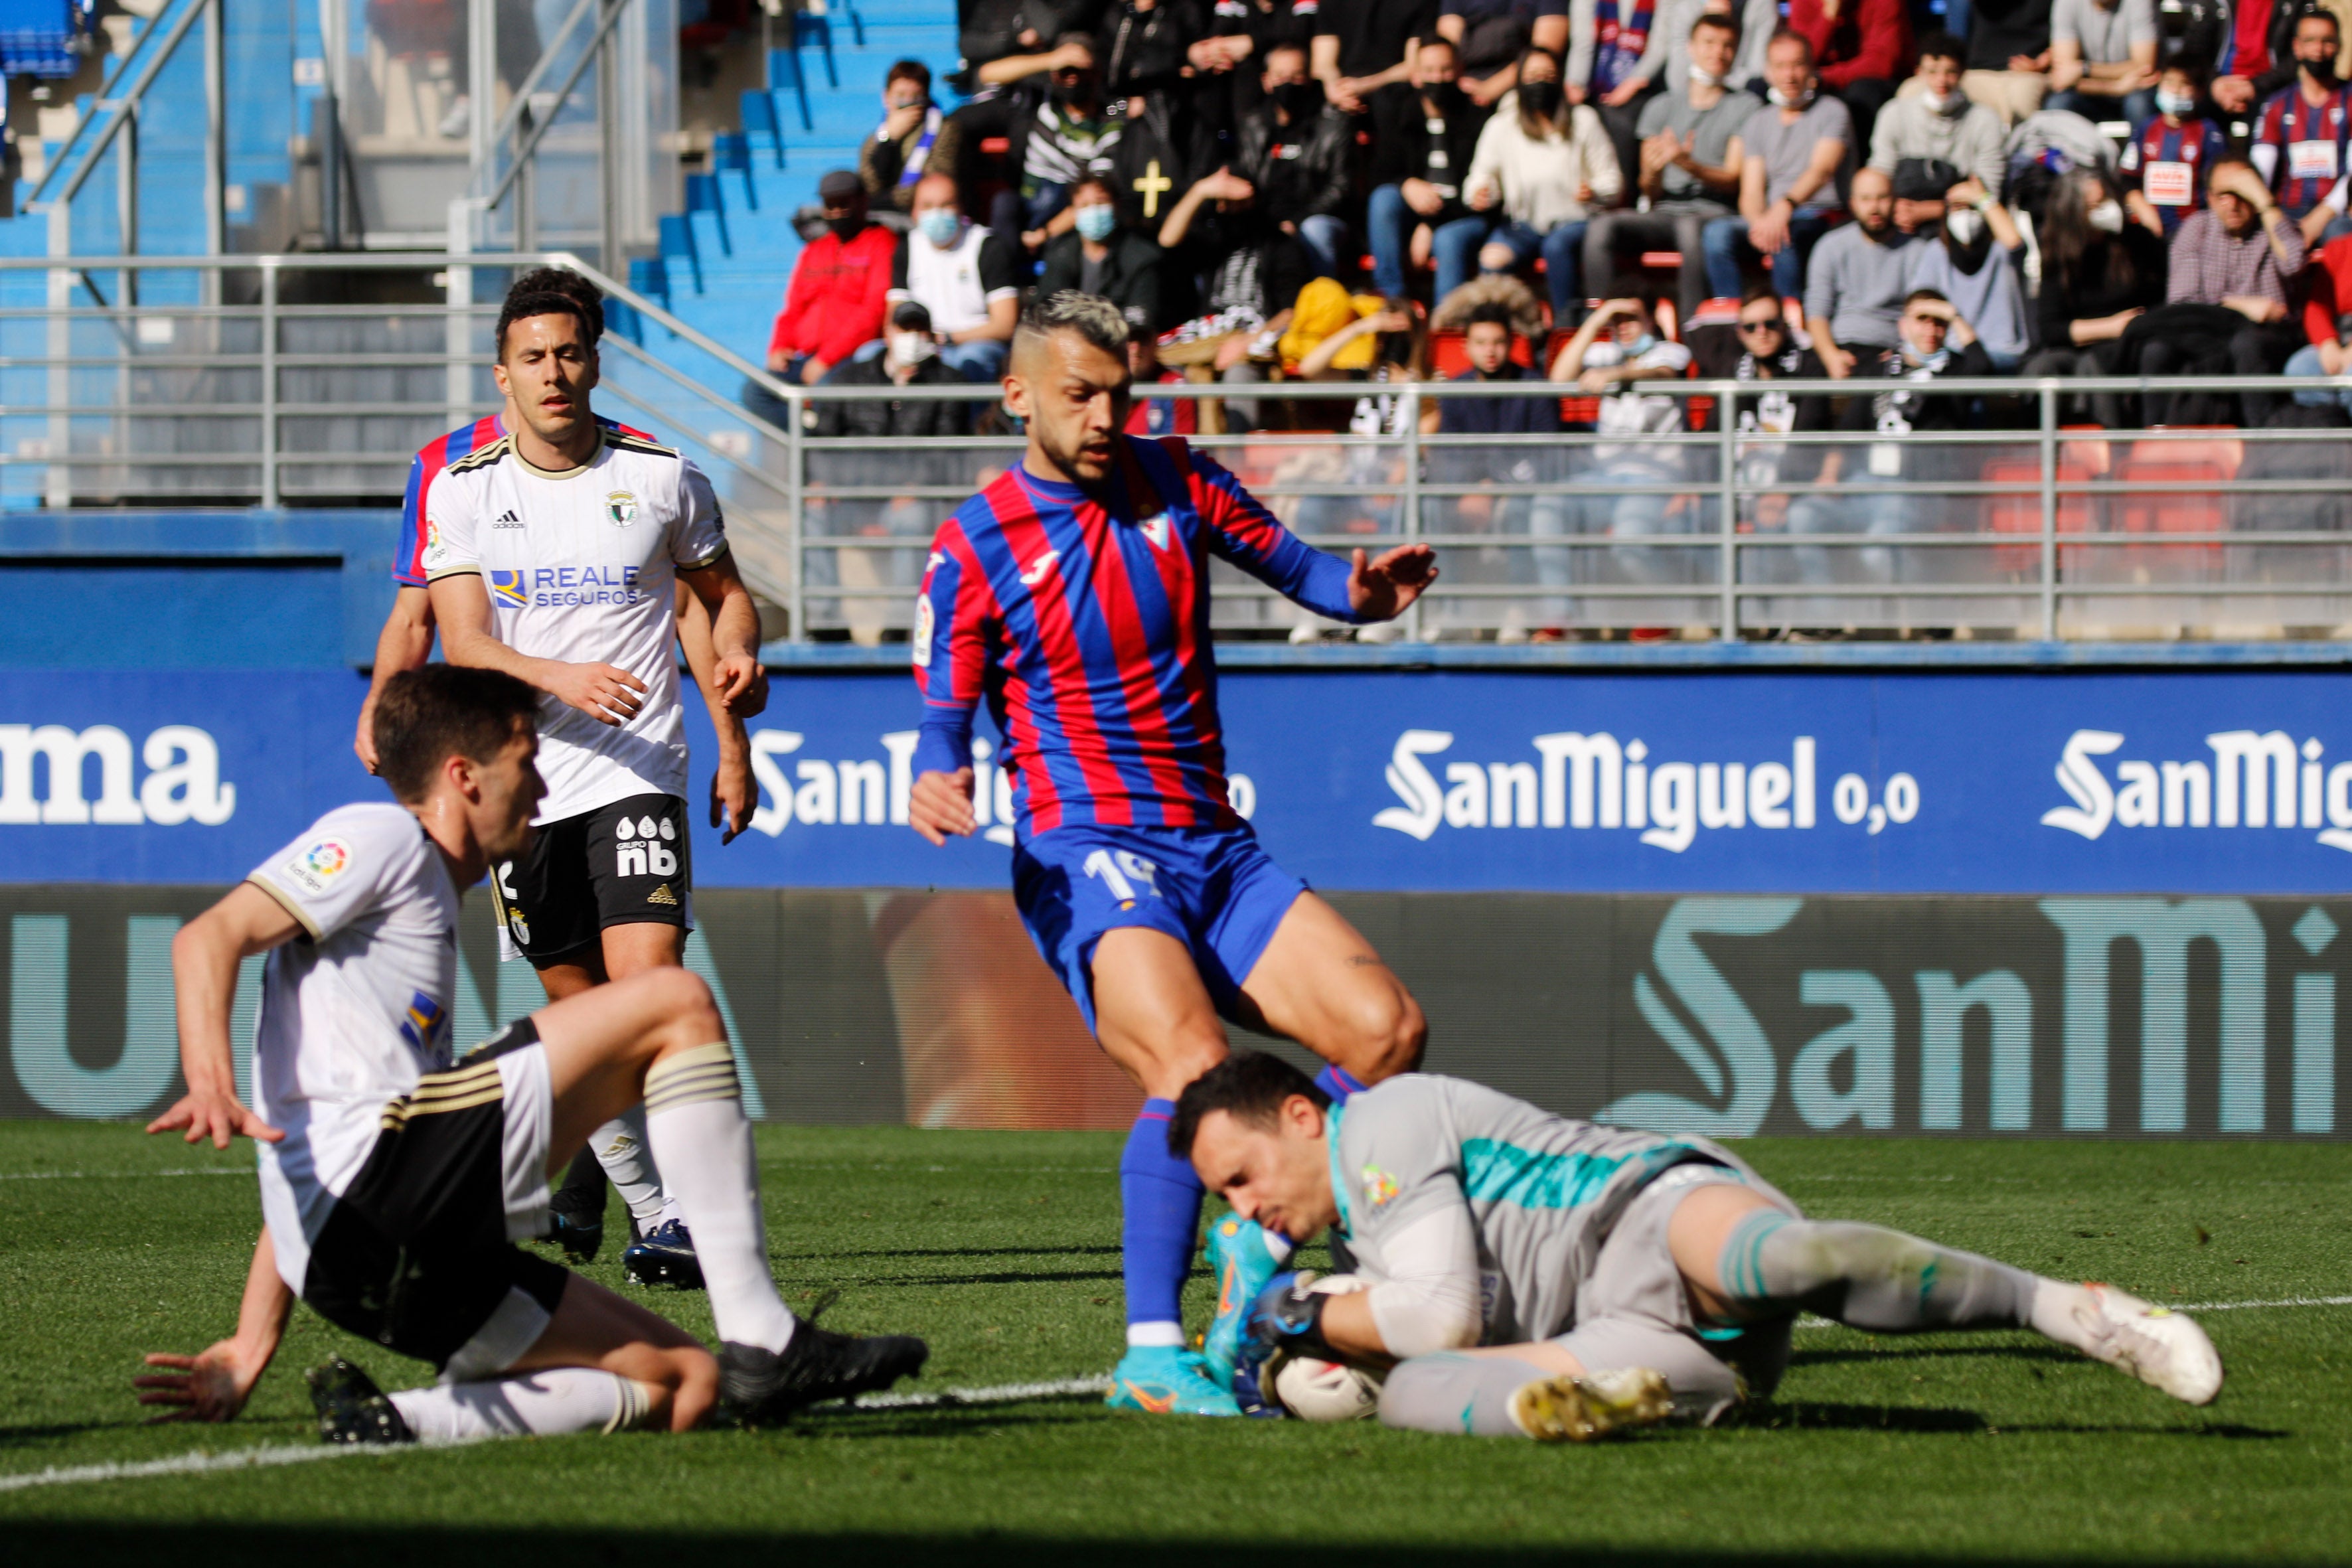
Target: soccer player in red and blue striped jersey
2304	131
1072	596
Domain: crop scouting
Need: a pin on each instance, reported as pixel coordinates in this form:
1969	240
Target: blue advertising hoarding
1818	782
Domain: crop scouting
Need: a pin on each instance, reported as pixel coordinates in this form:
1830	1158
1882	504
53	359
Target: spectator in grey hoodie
1938	121
1855	282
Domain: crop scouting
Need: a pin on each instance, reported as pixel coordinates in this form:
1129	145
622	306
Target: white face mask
1964	226
1704	79
2108	217
1942	102
2174	103
1782	101
911	348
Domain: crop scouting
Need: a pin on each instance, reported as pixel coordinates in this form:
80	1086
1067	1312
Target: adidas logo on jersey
507	520
662	895
641	848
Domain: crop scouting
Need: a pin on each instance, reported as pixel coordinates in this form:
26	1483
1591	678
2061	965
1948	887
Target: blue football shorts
1213	889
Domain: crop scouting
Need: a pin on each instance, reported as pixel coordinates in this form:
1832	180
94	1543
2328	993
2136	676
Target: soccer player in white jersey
393	1185
1616	1277
551	555
660	1250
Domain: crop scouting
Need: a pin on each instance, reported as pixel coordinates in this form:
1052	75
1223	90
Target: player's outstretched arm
205	956
941	804
1384	589
606	692
405	643
214	1383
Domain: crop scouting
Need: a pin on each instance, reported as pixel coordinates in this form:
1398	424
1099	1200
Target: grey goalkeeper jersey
1542	1191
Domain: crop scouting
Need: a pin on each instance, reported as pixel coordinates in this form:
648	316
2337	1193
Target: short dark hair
546	302
1942	45
1717	19
2226	161
1439	41
1759	289
427	715
563	280
1917	295
1096	182
909	70
1250	1085
2321	15
1784	33
1494	312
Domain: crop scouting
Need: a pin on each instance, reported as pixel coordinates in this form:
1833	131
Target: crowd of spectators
1282	190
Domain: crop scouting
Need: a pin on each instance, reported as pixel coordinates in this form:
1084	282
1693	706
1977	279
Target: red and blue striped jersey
2299	146
408	562
2167	163
1081	619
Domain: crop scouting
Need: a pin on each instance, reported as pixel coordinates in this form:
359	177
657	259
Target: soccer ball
1312	1389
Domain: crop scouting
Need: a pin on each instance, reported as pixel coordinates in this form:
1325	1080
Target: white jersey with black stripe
354	1010
581	566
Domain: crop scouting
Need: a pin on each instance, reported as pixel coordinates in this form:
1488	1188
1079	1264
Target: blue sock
1339	1083
1160	1200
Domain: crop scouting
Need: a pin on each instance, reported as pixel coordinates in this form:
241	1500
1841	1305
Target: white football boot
2162	1347
1591	1406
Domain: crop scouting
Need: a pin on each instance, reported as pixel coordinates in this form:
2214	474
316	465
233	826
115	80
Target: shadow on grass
363	1546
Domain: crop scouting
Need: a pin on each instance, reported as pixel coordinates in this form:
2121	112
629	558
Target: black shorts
629	863
415	1254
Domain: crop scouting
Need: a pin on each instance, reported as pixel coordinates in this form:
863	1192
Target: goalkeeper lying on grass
1606	1278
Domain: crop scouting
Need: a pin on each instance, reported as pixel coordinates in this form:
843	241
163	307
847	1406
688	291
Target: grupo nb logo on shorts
642	846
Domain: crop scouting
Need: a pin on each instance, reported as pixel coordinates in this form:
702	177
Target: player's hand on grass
1382	590
606	692
209	1113
942	804
734	795
213	1386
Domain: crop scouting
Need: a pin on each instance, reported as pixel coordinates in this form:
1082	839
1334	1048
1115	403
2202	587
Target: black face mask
1079	95
1299	100
1448	97
1542	99
2320	71
847	226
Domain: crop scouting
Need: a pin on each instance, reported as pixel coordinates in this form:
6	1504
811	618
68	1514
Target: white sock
627	1156
694	1112
673	1210
543	1404
1278	1246
2055	1314
1147	1336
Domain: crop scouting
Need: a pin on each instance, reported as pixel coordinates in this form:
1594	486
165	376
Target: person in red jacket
2327	322
1862	51
835	303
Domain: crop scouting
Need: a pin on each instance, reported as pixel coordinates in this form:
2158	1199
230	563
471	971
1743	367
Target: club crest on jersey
316	866
1034	572
1379	1187
621	508
425	1023
507	588
1155	528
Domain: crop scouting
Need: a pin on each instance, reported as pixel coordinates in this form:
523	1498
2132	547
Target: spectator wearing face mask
1057	131
1690	170
2165	162
2258	57
1424	136
1853	287
2103	59
1938	122
1860	48
2302	132
1489	37
2099	275
1967	250
909	357
2241	259
1766	353
1100	256
967	279
1616	350
1892	402
1250	271
1796	155
835	300
1294	151
1541	169
892	159
1666	62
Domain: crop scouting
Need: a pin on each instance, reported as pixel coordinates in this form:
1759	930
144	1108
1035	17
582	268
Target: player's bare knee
686	1014
1385	1033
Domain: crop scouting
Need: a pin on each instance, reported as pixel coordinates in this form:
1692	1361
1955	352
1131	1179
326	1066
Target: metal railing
2013	525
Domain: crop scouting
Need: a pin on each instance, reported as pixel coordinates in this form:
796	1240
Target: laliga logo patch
319	865
621	508
926	624
507	589
1379	1187
422	1024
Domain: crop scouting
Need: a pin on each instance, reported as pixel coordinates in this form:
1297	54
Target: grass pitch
1002	1249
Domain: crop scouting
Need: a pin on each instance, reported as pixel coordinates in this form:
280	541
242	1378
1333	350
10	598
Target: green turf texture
1000	1248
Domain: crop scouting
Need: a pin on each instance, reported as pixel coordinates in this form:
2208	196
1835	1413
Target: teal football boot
1237	1252
1162	1380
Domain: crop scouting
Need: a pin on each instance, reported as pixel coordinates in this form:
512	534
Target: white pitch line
1002	1394
124	1175
197	1463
